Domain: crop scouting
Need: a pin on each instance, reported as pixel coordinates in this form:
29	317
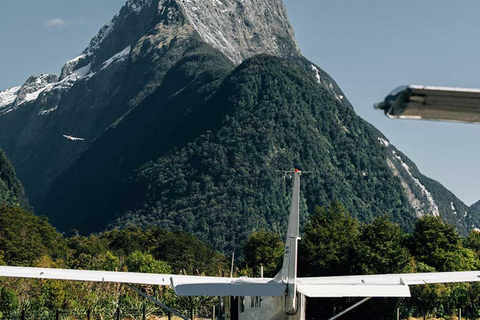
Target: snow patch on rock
317	74
32	96
45	112
433	206
453	208
8	96
119	57
76	59
68	82
383	142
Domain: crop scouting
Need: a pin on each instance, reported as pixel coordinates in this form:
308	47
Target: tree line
333	243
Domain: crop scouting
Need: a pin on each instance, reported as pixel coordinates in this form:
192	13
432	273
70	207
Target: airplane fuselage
260	308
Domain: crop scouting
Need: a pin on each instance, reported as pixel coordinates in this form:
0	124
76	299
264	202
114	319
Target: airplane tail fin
288	273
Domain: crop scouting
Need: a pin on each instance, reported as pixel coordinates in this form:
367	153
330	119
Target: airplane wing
383	285
101	276
72	138
433	103
182	284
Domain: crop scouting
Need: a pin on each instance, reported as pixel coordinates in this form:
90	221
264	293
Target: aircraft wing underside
385	285
104	276
382	285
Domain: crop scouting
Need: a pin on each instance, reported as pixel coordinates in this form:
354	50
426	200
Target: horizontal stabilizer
238	288
353	290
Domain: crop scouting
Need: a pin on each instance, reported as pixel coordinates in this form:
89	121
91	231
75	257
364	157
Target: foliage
263	248
25	237
145	263
8	300
11	190
330	242
438	245
381	248
472	241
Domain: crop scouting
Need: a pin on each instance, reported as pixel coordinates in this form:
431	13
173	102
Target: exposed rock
33	87
243	28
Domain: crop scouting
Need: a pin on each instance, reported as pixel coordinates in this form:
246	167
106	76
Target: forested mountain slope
214	170
11	189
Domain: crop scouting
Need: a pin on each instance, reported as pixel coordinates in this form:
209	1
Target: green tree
53	294
145	263
438	245
472	241
8	301
263	248
381	249
25	237
329	243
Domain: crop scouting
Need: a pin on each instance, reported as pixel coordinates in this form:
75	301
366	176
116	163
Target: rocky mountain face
185	125
11	190
427	196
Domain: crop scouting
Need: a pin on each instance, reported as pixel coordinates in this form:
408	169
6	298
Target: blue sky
368	47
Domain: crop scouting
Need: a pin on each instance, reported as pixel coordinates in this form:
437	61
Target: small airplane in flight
279	298
69	137
432	103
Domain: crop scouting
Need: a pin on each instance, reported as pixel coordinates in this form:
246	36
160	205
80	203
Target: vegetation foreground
334	243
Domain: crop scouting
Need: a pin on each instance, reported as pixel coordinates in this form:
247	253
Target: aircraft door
234	308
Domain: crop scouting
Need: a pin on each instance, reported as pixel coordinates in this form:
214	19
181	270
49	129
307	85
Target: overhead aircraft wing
383	285
433	103
182	284
74	138
102	276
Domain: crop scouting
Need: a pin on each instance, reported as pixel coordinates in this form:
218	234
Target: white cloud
55	23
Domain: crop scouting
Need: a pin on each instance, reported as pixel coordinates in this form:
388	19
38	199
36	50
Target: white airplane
433	103
278	298
69	137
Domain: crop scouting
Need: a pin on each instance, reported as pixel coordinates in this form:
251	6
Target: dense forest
11	189
219	179
333	243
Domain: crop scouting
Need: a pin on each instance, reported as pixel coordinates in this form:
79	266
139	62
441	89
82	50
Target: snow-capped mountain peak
8	96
